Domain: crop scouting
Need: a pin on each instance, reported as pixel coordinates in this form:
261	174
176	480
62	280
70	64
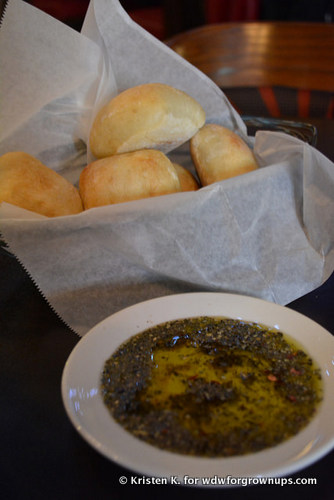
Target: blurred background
165	18
267	71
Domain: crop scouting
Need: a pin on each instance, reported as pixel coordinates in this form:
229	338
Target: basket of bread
128	138
126	174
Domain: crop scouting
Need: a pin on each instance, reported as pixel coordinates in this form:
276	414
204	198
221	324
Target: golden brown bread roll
28	183
127	177
218	153
148	116
186	178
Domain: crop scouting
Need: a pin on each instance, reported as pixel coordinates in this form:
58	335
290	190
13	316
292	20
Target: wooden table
299	55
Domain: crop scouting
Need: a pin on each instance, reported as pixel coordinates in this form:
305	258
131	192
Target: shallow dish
91	418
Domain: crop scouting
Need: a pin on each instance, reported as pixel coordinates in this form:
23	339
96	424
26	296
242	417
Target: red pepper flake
292	398
193	377
272	378
294	371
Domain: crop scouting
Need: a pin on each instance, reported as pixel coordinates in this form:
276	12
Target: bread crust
187	180
28	183
219	153
151	116
127	177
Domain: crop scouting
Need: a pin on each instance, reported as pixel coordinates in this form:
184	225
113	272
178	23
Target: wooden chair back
286	67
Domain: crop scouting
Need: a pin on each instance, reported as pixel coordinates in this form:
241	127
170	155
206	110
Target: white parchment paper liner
268	233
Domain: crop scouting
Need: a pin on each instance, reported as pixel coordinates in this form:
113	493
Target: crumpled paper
268	233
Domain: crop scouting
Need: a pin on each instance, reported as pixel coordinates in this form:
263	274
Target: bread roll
218	153
186	178
149	116
126	177
28	183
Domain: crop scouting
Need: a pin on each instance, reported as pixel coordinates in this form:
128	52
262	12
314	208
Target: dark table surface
42	455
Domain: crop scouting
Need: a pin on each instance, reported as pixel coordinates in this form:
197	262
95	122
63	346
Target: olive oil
211	386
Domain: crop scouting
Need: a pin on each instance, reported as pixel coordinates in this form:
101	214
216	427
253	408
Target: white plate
91	418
